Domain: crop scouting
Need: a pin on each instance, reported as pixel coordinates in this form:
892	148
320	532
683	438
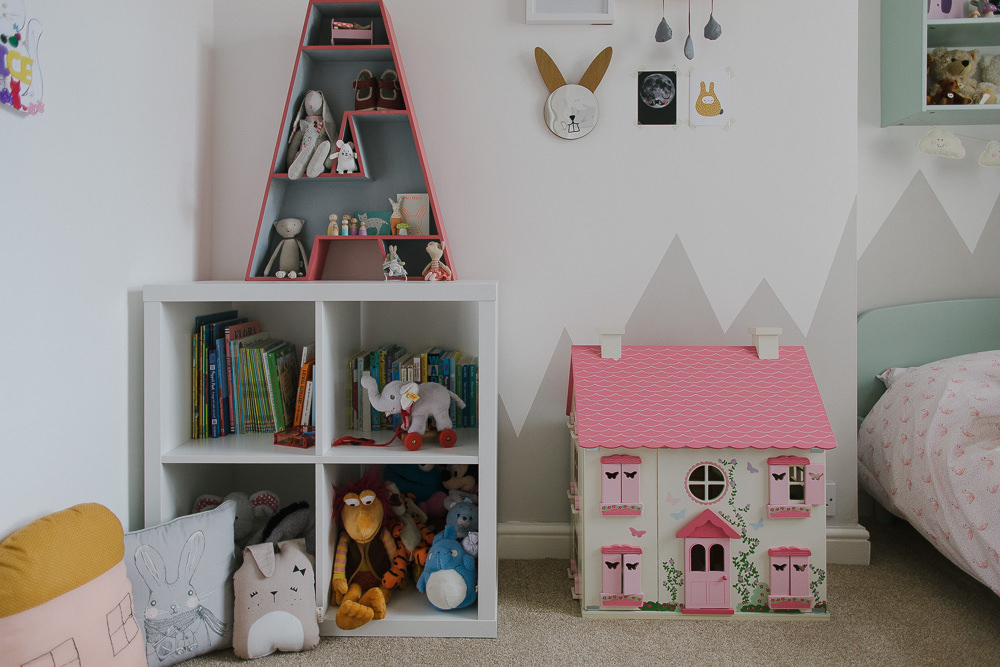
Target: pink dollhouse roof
696	396
708	524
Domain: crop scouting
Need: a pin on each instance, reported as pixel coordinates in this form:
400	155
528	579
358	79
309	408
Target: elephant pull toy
420	404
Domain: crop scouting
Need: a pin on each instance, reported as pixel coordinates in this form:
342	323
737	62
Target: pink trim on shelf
621	549
621	510
789	511
785	602
621	459
711	610
622	600
788	461
789	551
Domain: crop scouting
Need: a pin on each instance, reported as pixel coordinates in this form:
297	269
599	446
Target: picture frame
594	12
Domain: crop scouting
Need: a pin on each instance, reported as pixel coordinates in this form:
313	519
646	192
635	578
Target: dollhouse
698	481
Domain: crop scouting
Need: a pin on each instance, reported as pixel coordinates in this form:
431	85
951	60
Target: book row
454	370
244	380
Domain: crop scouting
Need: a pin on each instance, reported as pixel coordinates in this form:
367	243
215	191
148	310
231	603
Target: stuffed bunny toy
313	129
275	608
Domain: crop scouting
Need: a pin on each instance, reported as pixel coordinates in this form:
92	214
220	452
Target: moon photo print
657	98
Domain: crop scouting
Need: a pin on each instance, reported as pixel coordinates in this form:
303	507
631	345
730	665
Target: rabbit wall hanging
571	110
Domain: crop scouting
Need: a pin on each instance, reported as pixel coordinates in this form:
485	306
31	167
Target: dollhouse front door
706	564
707	577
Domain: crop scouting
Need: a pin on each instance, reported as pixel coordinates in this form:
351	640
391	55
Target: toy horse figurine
436	269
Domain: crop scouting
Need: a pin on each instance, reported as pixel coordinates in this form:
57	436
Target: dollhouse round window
706	483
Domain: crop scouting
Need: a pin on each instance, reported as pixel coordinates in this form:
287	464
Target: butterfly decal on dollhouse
20	75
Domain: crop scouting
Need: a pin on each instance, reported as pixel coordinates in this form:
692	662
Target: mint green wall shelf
907	35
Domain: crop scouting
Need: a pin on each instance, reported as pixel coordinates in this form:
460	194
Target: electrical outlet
831	498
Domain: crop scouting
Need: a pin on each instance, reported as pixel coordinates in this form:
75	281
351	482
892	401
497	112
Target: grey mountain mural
674	310
918	255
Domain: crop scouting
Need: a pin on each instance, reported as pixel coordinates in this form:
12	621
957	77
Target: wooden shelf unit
907	37
342	319
390	155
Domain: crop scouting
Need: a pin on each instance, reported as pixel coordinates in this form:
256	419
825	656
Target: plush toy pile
958	76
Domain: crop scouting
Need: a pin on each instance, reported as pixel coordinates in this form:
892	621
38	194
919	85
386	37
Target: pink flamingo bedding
929	452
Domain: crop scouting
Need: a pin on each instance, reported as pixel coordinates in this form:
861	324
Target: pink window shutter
611	483
611	581
798	577
816	484
777	480
631	575
779	576
630	483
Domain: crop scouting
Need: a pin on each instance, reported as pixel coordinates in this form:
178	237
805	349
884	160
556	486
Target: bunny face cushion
181	573
275	607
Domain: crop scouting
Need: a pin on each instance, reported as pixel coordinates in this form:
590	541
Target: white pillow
181	573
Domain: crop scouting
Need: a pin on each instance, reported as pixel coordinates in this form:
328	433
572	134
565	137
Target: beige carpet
909	607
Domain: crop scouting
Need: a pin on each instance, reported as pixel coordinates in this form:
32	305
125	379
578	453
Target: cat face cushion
275	607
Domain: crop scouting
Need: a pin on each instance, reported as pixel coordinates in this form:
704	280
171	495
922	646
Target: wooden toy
703	489
571	110
333	229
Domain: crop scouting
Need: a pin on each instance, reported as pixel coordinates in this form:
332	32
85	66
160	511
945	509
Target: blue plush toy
464	518
449	578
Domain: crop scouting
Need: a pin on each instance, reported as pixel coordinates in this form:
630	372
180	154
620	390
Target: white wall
575	231
161	120
928	227
104	191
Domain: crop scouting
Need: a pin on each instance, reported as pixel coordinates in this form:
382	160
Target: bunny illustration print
571	110
177	624
710	97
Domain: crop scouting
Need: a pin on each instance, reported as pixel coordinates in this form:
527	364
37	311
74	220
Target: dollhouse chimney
611	342
765	339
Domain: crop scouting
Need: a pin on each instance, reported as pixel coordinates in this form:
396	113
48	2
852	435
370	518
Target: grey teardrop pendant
712	29
663	31
689	48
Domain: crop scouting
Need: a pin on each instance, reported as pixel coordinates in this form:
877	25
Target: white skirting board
845	545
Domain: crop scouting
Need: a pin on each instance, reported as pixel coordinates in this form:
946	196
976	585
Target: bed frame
918	333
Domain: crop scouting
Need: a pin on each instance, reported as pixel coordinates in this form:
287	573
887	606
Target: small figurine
436	269
344	222
403	228
396	216
354	226
292	262
346	162
392	267
333	229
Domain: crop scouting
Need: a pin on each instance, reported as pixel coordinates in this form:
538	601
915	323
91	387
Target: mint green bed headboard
918	333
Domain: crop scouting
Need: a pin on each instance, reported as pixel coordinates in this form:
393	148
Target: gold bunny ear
592	77
551	75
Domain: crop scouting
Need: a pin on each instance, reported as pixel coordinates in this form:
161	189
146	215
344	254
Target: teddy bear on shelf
290	252
962	67
947	93
989	73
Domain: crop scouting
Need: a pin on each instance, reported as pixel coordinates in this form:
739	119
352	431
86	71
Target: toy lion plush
365	553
